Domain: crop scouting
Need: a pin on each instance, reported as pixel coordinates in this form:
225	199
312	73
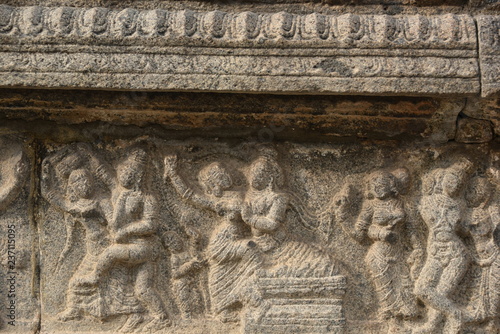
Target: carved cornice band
160	27
438	51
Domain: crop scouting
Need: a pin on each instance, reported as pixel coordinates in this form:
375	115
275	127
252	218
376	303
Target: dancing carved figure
232	257
442	209
134	240
482	223
382	220
185	269
264	210
68	185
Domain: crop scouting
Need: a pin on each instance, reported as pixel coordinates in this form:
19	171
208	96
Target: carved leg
132	322
71	313
426	290
106	260
451	277
147	294
183	292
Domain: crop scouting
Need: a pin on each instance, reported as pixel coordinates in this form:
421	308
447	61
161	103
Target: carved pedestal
300	305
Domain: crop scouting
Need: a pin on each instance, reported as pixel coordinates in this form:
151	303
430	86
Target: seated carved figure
264	211
134	241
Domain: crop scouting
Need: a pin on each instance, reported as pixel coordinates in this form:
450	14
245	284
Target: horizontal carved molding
217	28
248	51
342	67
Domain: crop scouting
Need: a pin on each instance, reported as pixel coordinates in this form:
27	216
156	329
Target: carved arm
146	226
182	188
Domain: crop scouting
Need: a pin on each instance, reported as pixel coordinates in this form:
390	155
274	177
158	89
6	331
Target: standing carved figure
232	258
185	268
442	210
69	186
483	221
134	240
382	220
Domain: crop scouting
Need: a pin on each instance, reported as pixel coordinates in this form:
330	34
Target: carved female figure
483	220
232	259
442	210
265	212
69	186
134	241
382	220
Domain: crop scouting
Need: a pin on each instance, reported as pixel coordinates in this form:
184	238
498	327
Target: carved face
382	185
260	177
263	172
131	172
80	184
403	180
451	184
215	179
478	191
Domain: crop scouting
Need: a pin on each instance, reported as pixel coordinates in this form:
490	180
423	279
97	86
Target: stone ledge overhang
184	50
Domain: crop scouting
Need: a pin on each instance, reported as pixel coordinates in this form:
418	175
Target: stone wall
249	167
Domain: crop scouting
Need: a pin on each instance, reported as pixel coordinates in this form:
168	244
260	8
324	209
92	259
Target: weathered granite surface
249	167
157	227
240	50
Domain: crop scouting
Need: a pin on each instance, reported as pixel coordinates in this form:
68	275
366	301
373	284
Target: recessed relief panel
157	236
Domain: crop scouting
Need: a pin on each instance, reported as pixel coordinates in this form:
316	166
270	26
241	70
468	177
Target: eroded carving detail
17	249
173	27
14	171
117	274
484	228
383	220
232	252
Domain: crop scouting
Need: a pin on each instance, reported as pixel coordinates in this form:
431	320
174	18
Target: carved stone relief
250	166
19	286
150	235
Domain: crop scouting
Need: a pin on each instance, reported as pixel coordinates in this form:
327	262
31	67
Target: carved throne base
299	305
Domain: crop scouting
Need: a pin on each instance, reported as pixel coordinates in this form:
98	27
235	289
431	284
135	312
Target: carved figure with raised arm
442	209
231	254
84	198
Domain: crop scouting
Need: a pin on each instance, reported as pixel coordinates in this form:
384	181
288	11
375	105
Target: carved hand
170	165
196	265
387	235
21	167
246	213
415	257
